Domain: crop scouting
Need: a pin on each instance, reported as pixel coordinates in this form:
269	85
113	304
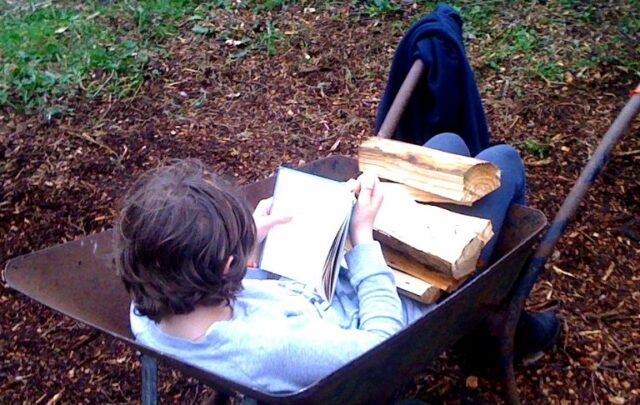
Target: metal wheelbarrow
78	279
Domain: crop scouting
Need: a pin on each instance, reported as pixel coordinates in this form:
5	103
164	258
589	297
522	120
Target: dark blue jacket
446	98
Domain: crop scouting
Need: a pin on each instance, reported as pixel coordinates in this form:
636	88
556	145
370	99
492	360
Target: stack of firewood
429	248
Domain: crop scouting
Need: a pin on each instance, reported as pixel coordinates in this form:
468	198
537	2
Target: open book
310	248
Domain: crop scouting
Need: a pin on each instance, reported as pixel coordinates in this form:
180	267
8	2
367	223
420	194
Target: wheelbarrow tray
78	279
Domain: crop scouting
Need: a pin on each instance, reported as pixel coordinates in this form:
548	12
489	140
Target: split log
445	241
415	288
453	177
407	265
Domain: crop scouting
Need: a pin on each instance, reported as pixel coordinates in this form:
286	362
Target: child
183	241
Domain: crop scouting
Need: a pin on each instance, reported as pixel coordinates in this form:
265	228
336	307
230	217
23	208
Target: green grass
269	5
375	8
55	52
536	148
563	38
524	50
476	16
269	37
64	50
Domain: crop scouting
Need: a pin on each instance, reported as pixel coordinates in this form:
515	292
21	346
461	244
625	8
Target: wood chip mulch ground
62	179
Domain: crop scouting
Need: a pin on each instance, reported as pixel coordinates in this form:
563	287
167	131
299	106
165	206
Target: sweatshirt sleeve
305	355
320	347
380	308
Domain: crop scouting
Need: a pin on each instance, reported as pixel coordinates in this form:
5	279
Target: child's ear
228	265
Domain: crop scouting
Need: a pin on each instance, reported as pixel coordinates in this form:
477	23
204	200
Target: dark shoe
535	334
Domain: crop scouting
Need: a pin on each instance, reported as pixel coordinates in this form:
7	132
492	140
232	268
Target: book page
299	249
334	259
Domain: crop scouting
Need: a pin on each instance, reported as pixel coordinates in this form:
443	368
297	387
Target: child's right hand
265	220
364	213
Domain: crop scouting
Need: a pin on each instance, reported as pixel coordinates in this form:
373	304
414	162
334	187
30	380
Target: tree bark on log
452	177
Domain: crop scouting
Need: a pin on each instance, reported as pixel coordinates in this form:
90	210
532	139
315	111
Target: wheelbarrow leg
149	380
502	326
507	373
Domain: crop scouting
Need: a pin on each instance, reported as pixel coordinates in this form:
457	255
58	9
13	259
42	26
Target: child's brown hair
177	228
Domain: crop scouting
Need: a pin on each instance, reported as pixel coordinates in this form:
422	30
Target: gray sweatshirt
281	338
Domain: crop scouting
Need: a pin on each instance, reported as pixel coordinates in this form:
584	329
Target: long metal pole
571	203
567	210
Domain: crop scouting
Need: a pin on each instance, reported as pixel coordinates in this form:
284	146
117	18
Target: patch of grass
269	37
62	50
57	51
375	8
548	70
476	16
522	47
584	10
612	35
260	36
269	4
536	148
563	39
223	4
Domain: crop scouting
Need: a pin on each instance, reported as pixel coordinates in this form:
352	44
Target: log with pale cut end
450	176
415	288
445	241
400	262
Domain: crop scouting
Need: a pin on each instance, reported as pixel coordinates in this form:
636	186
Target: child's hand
364	213
264	220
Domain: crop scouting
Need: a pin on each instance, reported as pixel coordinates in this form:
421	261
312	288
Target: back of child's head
175	233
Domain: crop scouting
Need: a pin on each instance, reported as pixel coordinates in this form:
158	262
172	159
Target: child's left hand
264	220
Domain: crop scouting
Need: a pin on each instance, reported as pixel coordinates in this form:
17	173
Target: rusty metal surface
373	377
79	280
339	168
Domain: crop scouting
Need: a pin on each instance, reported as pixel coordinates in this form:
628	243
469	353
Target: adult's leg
512	189
535	332
495	205
448	142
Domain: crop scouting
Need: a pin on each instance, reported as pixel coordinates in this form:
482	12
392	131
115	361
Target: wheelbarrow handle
577	193
513	308
391	120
